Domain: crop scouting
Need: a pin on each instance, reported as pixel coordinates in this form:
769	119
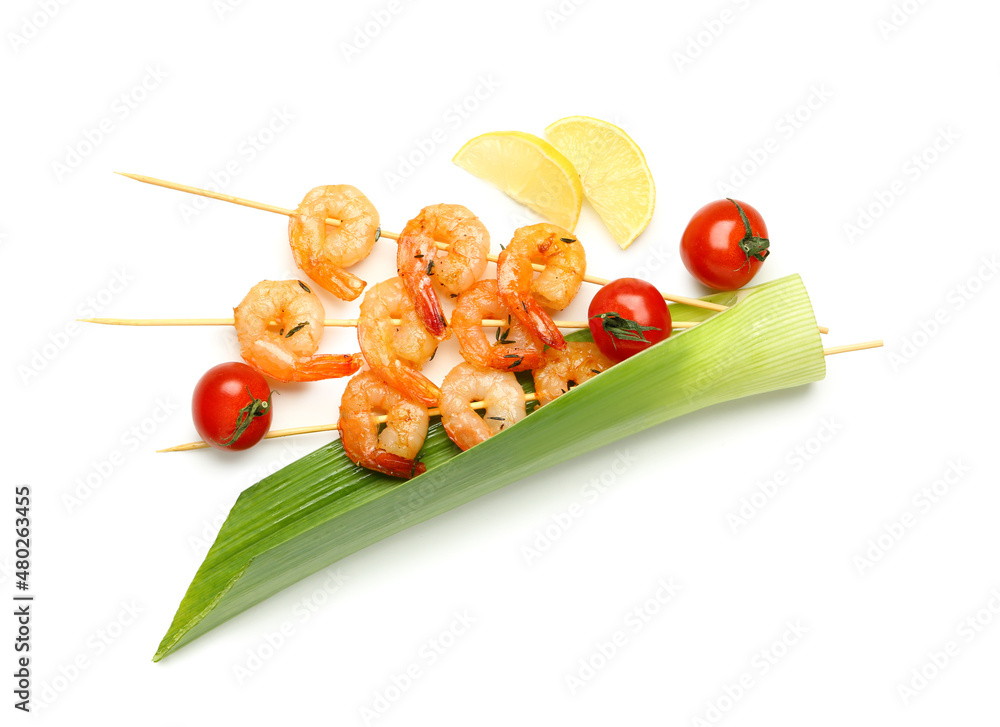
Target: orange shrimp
394	450
287	354
421	264
498	390
456	269
395	353
565	369
323	251
515	347
565	265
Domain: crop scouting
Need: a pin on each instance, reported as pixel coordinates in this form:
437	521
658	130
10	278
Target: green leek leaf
322	507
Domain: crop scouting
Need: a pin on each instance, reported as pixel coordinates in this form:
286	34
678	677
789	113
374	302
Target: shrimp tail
326	366
416	385
455	434
505	361
336	280
427	305
534	317
396	466
381	461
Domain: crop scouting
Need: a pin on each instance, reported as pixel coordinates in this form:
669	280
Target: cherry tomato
626	316
231	406
725	244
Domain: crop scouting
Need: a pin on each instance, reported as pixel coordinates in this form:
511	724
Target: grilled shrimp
556	286
392	451
563	370
421	264
287	354
515	348
323	251
499	390
395	353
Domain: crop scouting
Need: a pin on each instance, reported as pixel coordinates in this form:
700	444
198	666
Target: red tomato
231	406
723	249
626	316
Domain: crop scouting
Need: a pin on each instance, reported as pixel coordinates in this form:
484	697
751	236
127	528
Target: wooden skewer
337	322
852	347
384	233
320	428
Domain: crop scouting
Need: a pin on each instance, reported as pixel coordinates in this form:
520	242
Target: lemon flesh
528	169
616	179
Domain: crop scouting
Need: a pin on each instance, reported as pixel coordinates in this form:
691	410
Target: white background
884	84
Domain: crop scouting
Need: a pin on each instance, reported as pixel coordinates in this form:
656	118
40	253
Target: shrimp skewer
394	450
420	263
328	322
695	302
565	263
315	429
395	356
276	433
290	353
502	398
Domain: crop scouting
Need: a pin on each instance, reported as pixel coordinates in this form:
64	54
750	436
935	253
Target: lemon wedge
529	169
616	179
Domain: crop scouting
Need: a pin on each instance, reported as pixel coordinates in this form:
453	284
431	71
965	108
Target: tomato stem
620	327
256	408
751	245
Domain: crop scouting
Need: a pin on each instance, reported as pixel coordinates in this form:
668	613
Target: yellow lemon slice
528	169
616	179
